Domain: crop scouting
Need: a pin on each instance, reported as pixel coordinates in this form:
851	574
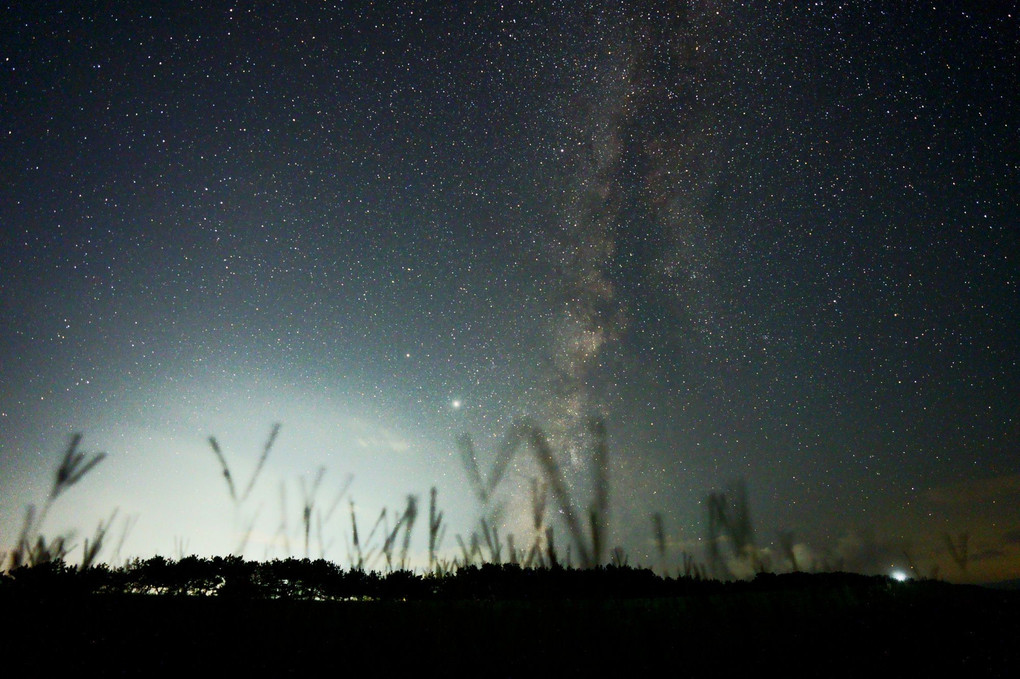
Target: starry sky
768	242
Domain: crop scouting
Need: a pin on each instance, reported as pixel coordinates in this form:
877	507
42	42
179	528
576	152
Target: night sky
775	242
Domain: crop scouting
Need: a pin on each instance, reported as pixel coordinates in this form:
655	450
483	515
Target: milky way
773	244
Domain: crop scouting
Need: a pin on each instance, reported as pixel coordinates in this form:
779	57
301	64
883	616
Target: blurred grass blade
223	465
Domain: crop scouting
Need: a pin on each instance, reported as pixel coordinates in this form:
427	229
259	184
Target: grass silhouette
32	547
510	610
558	538
239	500
524	433
729	522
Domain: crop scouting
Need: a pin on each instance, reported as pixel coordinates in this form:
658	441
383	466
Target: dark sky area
769	242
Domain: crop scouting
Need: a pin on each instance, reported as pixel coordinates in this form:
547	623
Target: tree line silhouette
305	579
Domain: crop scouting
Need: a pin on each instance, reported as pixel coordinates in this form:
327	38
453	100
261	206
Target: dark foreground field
548	624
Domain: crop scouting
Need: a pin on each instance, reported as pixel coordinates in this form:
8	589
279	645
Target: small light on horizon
899	576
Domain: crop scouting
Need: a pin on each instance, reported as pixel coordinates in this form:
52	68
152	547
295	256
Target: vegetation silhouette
32	547
528	608
730	547
525	433
293	614
322	580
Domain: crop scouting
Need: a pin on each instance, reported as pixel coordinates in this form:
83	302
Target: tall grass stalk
405	522
691	568
355	556
524	431
472	554
282	531
659	529
786	547
383	523
129	524
492	542
410	515
513	557
341	492
262	461
599	514
543	452
225	468
31	547
729	520
344	487
90	551
958	549
236	499
242	543
436	528
218	452
308	503
550	546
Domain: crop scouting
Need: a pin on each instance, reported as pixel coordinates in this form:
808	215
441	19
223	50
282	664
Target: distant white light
456	404
898	576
